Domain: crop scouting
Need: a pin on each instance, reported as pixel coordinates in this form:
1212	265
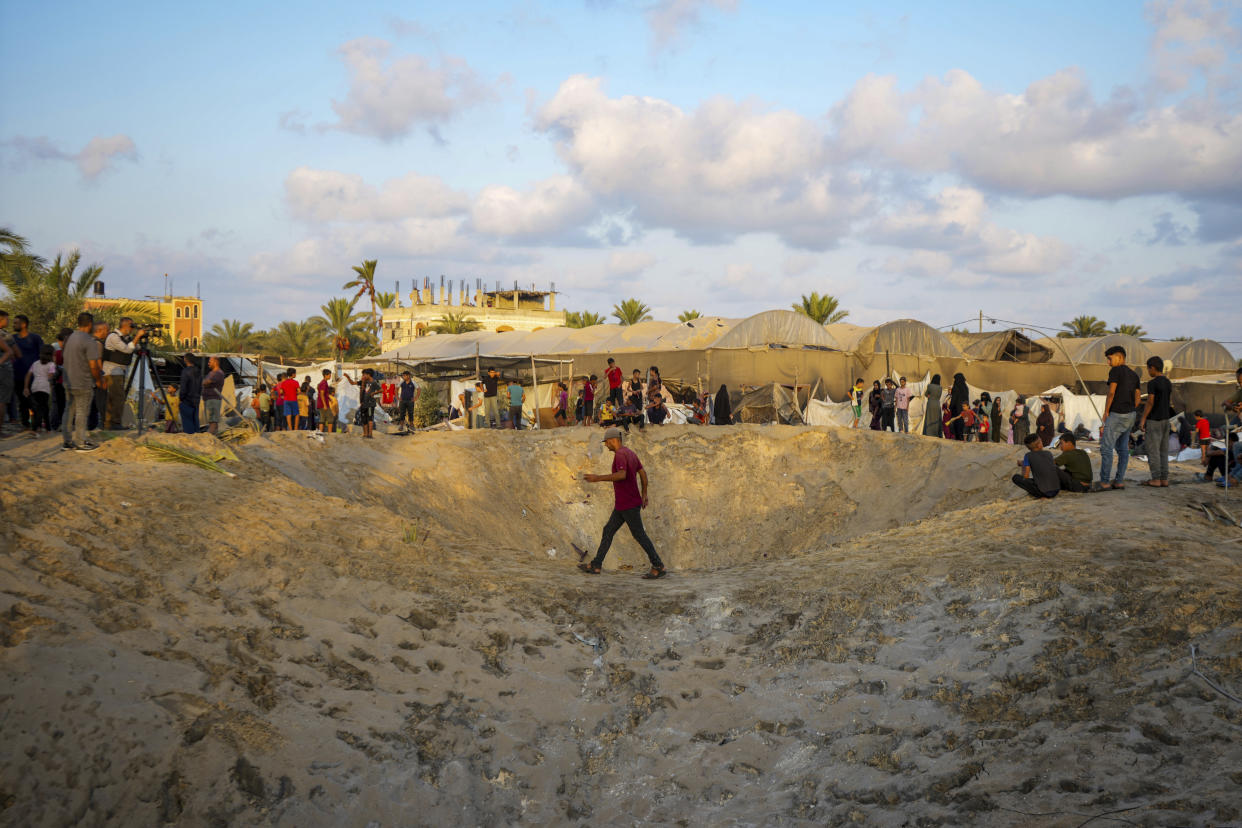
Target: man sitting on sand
1039	476
1074	466
627	473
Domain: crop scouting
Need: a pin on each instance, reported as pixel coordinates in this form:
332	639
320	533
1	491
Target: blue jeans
189	417
1115	436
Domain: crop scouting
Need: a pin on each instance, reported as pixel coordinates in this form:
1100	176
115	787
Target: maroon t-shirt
626	490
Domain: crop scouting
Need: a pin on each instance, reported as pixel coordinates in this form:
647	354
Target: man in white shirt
119	349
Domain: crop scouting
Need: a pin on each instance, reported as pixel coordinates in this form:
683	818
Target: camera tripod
143	360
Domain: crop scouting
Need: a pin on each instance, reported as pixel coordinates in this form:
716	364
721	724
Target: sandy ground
859	627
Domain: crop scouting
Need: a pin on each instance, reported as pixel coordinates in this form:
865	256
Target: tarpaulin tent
1003	346
1197	354
1091	349
771	403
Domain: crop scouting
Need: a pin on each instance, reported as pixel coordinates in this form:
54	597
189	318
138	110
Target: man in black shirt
1120	411
1155	421
1039	476
491	404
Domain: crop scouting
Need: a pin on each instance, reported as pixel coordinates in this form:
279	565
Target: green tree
231	336
631	312
343	325
386	300
297	340
687	315
582	319
1083	326
365	282
454	323
1181	339
1135	331
427	410
823	309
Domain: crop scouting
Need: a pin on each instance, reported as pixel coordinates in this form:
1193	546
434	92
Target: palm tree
631	312
687	315
365	282
53	295
231	336
297	340
822	309
1135	331
1083	326
1181	339
582	319
454	323
386	300
343	325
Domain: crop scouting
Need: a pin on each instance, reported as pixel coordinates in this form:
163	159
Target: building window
178	312
196	311
195	341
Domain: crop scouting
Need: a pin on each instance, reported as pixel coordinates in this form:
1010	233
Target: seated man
1039	476
607	413
657	411
1212	456
1074	466
629	413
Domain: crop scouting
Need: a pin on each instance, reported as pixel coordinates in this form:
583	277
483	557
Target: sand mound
861	627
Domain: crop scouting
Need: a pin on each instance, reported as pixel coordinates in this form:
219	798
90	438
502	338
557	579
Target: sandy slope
861	627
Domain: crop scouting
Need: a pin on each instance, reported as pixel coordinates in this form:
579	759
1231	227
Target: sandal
1153	484
588	569
654	574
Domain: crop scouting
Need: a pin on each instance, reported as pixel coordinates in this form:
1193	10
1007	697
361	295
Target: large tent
1090	350
1001	346
1196	354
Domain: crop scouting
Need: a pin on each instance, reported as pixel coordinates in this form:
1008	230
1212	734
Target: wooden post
534	377
477	375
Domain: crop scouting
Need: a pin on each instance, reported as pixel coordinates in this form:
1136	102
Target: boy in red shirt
289	388
614	382
1203	429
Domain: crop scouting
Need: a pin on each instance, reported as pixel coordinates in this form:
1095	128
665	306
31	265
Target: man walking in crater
627	473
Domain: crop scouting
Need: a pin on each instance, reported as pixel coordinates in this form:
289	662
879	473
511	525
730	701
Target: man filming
118	353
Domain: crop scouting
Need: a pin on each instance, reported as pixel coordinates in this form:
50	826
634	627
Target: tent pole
477	375
797	407
535	380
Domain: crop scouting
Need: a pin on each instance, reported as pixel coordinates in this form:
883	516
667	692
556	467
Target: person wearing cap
627	473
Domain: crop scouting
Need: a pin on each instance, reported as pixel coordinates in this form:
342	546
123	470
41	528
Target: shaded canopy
1199	354
1007	346
780	328
906	336
1091	349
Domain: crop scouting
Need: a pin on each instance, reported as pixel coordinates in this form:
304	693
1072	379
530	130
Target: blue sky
1035	161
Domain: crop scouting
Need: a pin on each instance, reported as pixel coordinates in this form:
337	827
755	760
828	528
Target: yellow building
496	310
182	314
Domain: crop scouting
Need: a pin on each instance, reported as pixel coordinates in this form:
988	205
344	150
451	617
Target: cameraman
118	352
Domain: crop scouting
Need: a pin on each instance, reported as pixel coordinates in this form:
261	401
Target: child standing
39	388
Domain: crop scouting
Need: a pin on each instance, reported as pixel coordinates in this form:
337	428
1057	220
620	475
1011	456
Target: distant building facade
494	310
182	314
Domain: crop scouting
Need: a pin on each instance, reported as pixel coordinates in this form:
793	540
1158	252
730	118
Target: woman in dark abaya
995	416
959	398
723	409
1044	426
874	405
931	408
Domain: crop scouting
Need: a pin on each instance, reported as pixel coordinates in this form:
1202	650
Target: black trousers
1027	484
1215	464
614	394
1069	484
634	519
39	405
886	419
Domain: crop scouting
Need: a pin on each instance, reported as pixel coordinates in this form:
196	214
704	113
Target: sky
1033	161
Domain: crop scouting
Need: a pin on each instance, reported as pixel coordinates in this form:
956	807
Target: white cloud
796	264
326	195
1053	138
551	208
388	98
724	169
667	18
955	223
629	262
1191	38
98	156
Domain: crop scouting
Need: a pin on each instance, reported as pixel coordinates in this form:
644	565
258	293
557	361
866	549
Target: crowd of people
639	401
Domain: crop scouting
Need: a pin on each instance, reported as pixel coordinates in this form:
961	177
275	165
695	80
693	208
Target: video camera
156	329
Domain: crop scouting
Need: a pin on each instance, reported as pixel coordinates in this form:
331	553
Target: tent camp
1091	349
